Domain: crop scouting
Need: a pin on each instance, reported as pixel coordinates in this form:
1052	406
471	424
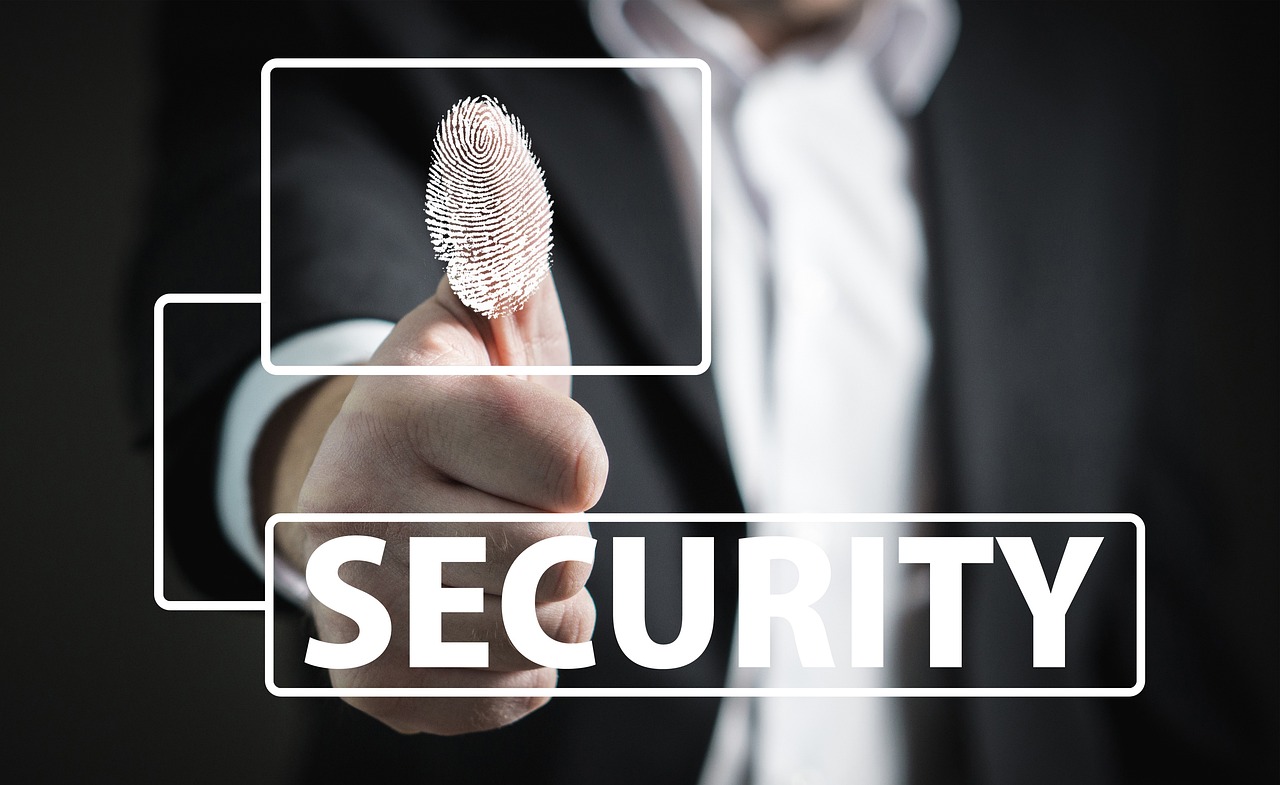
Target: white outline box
689	692
157	452
488	370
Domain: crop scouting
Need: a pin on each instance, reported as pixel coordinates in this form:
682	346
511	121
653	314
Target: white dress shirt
822	347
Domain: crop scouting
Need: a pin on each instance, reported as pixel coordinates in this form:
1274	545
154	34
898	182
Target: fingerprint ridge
487	208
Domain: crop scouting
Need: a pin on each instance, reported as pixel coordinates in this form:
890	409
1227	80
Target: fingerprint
487	207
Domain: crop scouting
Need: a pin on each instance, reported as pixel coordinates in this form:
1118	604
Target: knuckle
448	716
445	716
576	619
577	464
552	586
490	713
563	581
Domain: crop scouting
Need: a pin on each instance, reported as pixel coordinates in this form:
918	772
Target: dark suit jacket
1053	305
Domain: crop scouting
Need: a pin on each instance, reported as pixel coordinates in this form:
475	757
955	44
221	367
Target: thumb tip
532	333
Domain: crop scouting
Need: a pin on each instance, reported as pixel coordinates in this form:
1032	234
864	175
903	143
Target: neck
773	25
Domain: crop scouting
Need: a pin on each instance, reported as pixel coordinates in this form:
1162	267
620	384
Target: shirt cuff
253	401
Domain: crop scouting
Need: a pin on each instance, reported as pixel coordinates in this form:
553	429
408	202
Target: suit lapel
1032	286
1035	211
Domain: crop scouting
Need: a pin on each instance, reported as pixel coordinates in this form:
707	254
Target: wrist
285	451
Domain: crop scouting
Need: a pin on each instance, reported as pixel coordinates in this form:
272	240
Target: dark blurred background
105	686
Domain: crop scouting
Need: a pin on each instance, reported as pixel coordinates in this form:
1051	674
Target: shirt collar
907	43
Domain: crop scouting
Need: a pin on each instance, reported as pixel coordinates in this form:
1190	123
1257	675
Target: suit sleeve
344	209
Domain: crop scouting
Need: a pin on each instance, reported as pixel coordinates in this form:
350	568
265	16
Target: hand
445	444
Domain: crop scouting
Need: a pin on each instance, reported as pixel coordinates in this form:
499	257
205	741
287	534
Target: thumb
443	331
489	216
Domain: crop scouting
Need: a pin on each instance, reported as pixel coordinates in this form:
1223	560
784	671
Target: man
1039	162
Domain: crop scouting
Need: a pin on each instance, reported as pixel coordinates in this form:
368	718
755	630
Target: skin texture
444	444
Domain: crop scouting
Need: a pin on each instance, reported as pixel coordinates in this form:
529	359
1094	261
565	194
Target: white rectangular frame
486	370
157	448
673	692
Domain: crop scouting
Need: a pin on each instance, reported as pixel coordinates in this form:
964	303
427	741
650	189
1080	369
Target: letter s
362	608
